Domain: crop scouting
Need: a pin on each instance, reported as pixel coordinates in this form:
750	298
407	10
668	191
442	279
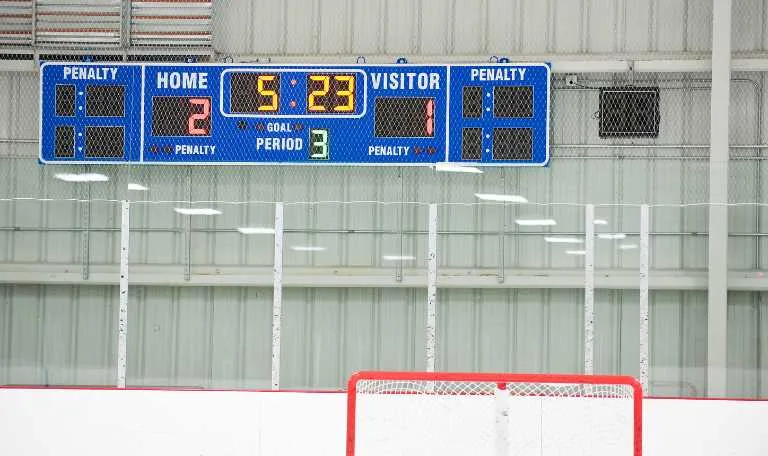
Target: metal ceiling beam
345	277
561	64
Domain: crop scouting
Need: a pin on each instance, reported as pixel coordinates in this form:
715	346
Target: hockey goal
485	414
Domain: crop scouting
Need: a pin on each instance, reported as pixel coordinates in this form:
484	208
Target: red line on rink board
300	391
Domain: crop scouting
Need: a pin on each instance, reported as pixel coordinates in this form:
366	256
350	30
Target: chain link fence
354	241
511	246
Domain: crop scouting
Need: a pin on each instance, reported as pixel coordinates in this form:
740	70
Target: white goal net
420	414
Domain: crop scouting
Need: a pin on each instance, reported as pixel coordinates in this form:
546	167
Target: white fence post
431	288
122	319
589	289
277	296
644	267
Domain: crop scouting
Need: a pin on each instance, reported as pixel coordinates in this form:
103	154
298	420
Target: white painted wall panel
638	17
199	337
334	19
57	335
270	34
470	23
301	27
494	342
400	26
748	17
541	331
330	333
366	27
18	91
678	343
568	25
535	27
617	332
435	34
503	25
699	36
670	25
747	368
605	24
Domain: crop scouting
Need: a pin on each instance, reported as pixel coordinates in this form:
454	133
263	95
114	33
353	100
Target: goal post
492	414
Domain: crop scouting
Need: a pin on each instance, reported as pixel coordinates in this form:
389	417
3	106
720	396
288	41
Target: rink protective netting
485	388
428	417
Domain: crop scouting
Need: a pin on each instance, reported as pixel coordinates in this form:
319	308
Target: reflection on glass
197	211
256	230
563	240
536	222
308	248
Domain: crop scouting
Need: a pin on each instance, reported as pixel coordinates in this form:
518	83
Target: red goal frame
498	378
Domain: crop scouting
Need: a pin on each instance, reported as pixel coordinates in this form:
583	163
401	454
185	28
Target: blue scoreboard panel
401	114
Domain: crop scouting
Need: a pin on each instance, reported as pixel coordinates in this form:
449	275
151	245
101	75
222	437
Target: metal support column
33	38
644	269
277	296
431	288
589	289
126	16
717	299
122	319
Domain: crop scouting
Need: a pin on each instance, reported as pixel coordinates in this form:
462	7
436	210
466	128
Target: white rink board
423	425
37	422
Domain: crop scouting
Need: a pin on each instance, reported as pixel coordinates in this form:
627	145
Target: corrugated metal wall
513	27
57	335
747	344
220	337
208	337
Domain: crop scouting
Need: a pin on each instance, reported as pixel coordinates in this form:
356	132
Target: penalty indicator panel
500	114
400	114
90	113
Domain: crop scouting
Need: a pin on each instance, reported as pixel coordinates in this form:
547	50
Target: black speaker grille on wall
629	112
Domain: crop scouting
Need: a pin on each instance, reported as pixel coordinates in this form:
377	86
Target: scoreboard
400	114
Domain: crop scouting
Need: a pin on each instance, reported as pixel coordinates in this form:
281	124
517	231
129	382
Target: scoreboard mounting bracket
492	114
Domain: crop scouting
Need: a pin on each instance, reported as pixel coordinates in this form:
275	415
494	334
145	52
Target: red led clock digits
430	127
199	116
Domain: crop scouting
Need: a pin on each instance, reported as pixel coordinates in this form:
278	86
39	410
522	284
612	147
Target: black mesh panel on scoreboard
512	144
64	145
513	101
65	100
472	144
105	101
472	102
105	142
